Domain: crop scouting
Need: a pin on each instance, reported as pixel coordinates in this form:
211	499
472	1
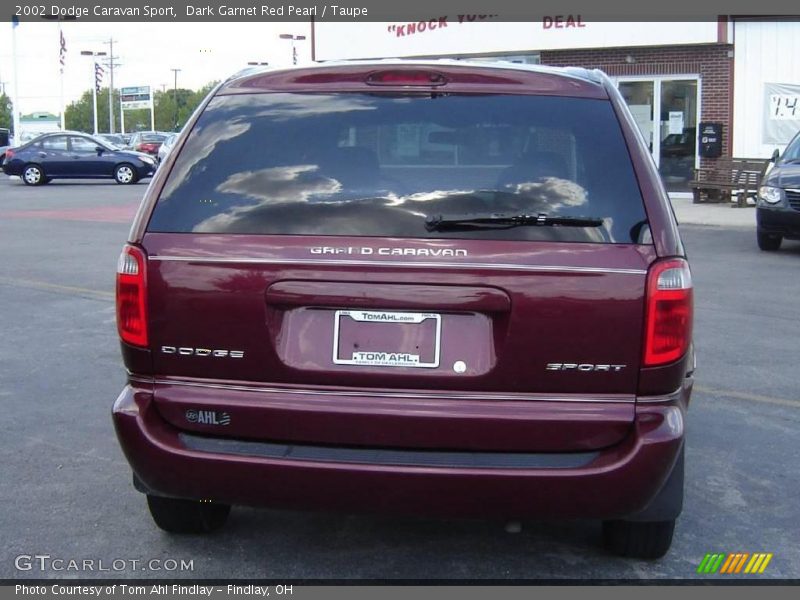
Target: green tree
6	112
78	116
187	101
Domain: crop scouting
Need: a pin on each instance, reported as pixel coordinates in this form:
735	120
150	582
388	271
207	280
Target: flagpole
61	77
15	100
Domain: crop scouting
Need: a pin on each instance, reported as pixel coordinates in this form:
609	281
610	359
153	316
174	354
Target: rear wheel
33	175
125	174
638	539
187	516
768	242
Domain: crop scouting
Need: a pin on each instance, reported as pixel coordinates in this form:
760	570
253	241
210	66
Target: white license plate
386	338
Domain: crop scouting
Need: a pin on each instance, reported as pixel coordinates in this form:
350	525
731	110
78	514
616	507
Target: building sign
135	97
475	34
781	112
132	98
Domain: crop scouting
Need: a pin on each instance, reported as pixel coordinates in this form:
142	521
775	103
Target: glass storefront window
666	112
678	134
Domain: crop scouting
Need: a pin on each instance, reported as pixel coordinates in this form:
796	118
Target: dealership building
731	83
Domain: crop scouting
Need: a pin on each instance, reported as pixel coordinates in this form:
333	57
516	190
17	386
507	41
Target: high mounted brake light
406	77
131	297
668	321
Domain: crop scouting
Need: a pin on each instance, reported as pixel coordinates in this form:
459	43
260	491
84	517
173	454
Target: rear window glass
152	137
380	165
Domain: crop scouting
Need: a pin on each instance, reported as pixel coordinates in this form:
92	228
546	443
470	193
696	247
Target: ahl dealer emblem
208	417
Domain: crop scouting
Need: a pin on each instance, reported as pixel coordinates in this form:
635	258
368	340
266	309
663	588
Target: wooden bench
729	176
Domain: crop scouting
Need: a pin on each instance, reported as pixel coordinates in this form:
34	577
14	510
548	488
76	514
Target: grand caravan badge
386	338
389	251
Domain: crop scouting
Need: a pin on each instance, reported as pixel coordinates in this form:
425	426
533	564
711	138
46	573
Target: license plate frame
387	358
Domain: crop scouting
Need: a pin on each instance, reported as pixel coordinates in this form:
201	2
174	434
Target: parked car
778	203
113	139
680	145
6	141
147	141
72	156
166	147
436	288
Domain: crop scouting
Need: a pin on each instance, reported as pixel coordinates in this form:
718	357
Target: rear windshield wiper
501	221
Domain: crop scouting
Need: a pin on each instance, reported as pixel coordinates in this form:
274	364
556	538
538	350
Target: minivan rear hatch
443	244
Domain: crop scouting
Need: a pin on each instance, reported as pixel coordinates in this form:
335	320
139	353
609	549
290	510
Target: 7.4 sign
784	106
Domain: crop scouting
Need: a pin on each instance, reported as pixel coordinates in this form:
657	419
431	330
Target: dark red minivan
434	288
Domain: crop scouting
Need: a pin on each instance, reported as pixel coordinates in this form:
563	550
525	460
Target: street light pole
175	96
94	83
289	36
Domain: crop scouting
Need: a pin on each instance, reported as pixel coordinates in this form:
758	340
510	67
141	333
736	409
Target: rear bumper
614	482
11	169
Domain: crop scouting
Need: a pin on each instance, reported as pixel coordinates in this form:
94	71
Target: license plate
386	338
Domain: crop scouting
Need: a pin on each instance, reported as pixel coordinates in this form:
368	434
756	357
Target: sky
147	52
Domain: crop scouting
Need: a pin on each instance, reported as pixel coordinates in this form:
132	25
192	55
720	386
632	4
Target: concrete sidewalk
718	215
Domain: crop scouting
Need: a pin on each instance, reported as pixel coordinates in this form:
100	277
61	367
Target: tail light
668	325
132	297
406	77
9	154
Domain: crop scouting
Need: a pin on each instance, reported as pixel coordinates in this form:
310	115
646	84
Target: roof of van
459	76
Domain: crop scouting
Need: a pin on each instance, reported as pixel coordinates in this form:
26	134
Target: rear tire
33	175
125	174
768	242
638	539
187	516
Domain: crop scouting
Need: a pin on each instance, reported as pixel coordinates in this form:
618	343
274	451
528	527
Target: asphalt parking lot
66	489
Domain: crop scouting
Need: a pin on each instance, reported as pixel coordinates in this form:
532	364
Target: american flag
62	53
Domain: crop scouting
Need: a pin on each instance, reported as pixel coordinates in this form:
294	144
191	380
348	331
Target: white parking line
59	289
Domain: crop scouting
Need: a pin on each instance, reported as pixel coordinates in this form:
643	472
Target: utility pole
111	64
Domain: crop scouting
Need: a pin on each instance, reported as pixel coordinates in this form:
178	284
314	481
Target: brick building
696	80
739	76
